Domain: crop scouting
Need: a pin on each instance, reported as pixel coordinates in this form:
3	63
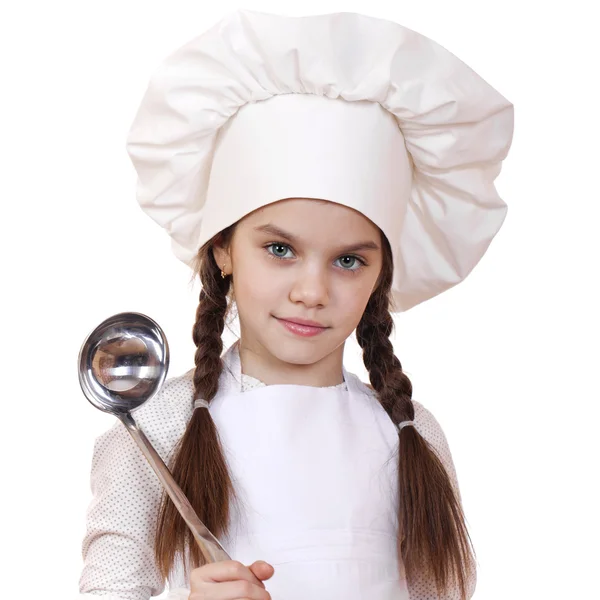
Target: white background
507	360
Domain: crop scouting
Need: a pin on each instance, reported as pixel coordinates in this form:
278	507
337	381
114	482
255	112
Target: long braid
199	466
432	536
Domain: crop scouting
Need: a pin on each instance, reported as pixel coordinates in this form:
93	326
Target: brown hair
433	541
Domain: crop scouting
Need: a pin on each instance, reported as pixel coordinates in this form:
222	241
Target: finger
262	569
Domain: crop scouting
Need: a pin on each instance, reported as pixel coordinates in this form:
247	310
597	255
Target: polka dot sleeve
430	429
118	546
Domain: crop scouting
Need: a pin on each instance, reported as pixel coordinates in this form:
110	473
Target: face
301	259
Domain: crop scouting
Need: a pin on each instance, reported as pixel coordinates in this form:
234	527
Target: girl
318	174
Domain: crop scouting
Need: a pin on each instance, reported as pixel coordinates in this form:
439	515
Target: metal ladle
122	364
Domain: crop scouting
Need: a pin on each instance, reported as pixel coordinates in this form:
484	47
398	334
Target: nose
310	286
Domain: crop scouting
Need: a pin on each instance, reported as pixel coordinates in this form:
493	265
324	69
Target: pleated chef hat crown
342	107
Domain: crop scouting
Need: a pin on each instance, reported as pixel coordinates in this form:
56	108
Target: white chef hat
343	107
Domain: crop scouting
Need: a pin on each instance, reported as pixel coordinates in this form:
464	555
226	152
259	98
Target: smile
302	330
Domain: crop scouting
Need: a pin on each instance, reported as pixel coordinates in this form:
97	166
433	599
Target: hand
230	580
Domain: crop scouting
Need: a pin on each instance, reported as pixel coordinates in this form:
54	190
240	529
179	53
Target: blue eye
352	258
279	246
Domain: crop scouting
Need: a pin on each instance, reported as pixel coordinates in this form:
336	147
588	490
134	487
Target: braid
432	536
208	329
200	466
392	385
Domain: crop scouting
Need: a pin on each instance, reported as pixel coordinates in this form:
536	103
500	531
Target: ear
221	255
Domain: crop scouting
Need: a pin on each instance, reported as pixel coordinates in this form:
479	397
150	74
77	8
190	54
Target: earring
223	273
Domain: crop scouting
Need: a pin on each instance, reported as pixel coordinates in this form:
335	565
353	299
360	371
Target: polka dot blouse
117	548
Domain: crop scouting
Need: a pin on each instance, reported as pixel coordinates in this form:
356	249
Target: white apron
315	471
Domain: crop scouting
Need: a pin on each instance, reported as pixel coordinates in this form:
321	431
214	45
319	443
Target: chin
292	352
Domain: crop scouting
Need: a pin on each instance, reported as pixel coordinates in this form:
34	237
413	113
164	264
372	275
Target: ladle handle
209	544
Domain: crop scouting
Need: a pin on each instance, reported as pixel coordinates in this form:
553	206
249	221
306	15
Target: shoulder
425	421
171	400
177	393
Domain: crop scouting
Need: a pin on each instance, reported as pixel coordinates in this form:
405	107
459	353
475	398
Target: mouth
302	327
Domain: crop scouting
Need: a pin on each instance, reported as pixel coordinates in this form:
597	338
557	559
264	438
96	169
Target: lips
301	328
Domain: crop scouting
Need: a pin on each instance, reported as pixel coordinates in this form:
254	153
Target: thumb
262	569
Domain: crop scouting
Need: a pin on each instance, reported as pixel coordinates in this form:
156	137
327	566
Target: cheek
354	306
256	284
353	303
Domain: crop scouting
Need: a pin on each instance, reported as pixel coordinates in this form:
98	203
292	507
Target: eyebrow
277	231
